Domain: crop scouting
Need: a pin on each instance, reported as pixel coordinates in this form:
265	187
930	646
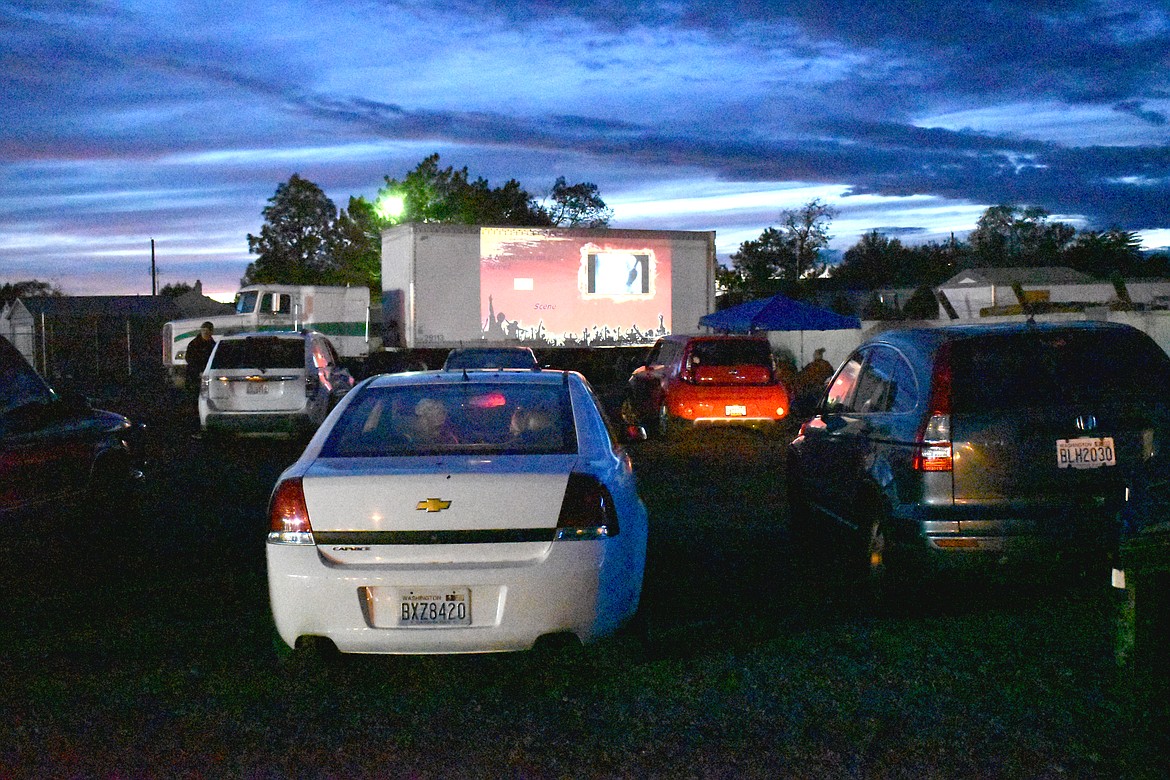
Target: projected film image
552	288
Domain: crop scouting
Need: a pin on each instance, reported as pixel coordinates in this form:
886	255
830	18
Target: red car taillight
587	511
288	515
934	437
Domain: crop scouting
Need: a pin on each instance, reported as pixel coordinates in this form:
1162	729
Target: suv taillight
288	515
934	438
587	511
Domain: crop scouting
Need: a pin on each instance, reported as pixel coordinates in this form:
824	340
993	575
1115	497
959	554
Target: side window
670	353
266	303
886	383
655	354
842	386
283	303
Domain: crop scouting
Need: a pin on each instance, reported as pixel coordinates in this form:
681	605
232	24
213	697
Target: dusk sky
127	121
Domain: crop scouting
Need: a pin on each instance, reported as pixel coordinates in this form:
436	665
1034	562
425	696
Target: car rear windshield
732	352
259	352
480	417
1047	368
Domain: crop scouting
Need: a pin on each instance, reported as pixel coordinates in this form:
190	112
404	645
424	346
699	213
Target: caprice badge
433	505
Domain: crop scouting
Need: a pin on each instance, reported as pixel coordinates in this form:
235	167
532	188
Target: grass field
142	649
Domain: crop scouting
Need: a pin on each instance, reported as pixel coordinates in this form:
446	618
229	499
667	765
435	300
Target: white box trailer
340	313
446	285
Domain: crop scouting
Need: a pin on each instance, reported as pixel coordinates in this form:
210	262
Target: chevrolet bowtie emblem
433	505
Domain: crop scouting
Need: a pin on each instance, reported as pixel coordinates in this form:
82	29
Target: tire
878	572
311	654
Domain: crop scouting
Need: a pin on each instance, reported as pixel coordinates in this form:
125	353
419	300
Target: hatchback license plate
257	388
738	410
421	607
1085	453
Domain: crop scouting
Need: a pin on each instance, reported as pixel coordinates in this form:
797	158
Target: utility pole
153	272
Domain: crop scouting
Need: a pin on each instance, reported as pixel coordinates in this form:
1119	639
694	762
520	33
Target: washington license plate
1085	453
423	607
736	410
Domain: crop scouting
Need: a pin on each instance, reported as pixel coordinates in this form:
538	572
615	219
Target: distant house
973	290
91	341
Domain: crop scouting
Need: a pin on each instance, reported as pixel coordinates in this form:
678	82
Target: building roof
1005	277
100	305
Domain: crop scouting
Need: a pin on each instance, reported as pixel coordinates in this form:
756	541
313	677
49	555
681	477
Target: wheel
878	572
311	654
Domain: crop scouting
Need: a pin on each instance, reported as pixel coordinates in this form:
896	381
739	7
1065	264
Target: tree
1105	253
296	243
758	261
874	261
577	205
175	289
1010	235
357	246
787	254
433	194
29	288
806	231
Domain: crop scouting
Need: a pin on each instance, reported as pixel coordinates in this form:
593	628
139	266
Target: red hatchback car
698	380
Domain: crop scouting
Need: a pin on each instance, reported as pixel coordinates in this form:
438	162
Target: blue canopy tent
778	313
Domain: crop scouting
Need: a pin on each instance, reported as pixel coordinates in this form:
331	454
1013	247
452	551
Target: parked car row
492	505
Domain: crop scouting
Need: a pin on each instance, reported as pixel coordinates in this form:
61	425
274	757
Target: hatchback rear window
496	418
1046	368
259	352
732	352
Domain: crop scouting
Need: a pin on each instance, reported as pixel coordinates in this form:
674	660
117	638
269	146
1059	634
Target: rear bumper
1066	539
578	587
257	422
744	405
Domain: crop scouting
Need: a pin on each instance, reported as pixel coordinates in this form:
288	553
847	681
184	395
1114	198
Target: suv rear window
1046	368
732	352
259	352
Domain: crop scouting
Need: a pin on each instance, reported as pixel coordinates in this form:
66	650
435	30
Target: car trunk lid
436	509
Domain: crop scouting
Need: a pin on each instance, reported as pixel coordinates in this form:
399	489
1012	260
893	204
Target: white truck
450	285
340	313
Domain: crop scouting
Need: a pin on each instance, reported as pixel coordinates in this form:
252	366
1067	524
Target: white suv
271	382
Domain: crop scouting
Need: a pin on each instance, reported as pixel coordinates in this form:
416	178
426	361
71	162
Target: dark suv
985	444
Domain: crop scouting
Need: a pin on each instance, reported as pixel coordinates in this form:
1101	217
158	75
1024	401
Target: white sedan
457	512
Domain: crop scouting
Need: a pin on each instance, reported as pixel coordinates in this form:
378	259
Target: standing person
198	353
811	379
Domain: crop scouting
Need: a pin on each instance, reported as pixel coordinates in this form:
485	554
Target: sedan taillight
587	511
288	515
